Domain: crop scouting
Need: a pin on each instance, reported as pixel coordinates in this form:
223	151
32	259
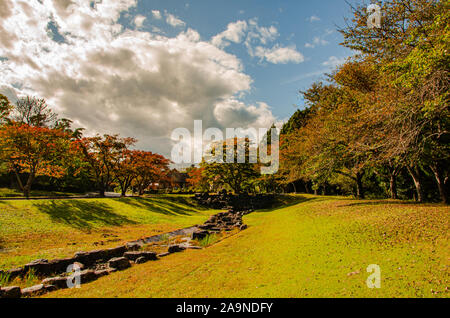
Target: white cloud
174	21
156	14
235	32
255	34
139	20
234	114
111	80
334	61
279	55
313	18
317	41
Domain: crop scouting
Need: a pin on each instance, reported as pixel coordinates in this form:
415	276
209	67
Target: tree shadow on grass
285	201
163	206
82	215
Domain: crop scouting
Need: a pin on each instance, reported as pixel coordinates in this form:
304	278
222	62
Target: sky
142	68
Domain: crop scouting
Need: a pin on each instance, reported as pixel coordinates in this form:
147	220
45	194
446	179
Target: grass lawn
318	247
32	229
14	193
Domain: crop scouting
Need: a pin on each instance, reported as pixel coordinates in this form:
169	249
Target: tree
34	151
411	48
150	169
5	108
125	170
34	112
196	178
237	176
103	155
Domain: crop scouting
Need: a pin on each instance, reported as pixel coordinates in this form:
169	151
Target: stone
87	276
134	246
11	292
243	227
119	263
199	235
193	247
116	251
34	291
58	282
175	249
133	256
102	272
163	254
141	260
50	288
92	257
15	272
45	267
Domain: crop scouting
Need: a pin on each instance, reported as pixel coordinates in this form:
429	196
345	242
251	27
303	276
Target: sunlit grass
33	229
318	248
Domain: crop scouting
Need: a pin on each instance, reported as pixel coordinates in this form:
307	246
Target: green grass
208	240
318	247
32	229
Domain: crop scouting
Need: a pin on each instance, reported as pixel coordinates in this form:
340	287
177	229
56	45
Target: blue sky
298	23
143	68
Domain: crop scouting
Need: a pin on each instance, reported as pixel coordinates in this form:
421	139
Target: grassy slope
303	250
58	228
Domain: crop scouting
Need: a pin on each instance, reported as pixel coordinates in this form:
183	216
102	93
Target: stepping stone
133	256
10	292
34	290
119	263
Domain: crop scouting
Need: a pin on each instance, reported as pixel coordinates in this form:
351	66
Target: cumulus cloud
139	20
279	55
235	32
114	80
234	113
157	14
252	34
174	21
334	61
319	40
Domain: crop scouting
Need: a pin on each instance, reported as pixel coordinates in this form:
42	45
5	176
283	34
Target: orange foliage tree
103	155
34	151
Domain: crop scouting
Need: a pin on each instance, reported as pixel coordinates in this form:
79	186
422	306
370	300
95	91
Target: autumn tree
103	155
411	48
34	151
5	108
196	178
235	174
150	168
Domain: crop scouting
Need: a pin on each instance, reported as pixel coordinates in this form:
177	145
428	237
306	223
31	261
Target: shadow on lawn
163	205
82	215
285	201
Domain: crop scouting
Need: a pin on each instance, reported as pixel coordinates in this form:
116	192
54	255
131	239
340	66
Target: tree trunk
102	192
414	172
440	179
359	186
393	186
295	188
